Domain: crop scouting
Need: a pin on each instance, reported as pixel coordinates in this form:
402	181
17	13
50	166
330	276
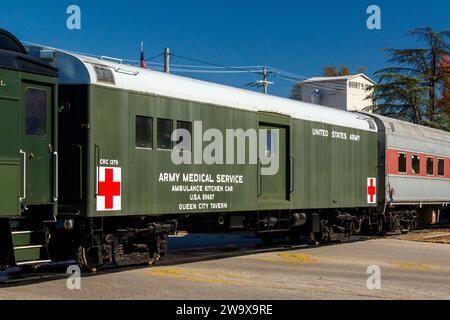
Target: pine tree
412	89
444	102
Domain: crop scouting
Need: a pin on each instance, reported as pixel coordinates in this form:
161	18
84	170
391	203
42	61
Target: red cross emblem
371	190
109	189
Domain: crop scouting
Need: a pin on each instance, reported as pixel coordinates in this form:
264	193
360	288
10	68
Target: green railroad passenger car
111	188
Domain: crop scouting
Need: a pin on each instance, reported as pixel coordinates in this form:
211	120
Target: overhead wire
214	68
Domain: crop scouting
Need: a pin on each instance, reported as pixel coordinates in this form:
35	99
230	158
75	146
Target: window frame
443	167
177	122
27	89
406	163
151	131
157	134
429	174
412	164
274	147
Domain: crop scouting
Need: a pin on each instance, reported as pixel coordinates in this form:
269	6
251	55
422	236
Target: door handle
56	175
24	196
258	179
292	174
97	167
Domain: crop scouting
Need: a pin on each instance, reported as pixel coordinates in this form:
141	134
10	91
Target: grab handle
97	167
258	179
24	154
56	175
292	174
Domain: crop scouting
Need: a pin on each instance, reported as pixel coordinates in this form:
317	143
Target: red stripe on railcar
392	156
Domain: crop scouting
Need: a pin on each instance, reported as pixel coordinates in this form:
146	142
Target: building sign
358	85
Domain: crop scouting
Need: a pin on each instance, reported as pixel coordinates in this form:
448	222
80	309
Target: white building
345	93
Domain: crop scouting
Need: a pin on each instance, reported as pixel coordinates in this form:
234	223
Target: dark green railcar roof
13	56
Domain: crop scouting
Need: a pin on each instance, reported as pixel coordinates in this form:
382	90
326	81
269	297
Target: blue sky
296	36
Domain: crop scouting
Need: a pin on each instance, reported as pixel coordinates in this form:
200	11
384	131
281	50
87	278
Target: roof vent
104	75
48	55
372	125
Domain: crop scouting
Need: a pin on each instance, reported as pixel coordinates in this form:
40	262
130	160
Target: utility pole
264	83
167	60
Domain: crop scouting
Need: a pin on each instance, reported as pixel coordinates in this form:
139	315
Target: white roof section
79	69
340	78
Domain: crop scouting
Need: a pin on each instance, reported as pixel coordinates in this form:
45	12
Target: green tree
333	71
296	92
411	89
444	102
402	97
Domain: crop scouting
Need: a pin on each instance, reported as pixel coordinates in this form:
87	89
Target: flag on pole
143	64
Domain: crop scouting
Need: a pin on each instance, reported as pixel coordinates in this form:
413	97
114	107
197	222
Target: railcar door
275	185
37	150
9	159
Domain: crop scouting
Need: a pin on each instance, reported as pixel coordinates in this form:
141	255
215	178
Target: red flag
143	64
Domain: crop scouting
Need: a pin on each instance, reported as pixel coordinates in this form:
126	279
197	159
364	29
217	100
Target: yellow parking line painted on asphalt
288	258
211	277
410	265
297	257
196	275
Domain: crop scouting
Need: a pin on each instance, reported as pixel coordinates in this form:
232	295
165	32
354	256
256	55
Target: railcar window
165	128
144	132
402	163
186	126
430	166
415	164
36	112
441	167
271	143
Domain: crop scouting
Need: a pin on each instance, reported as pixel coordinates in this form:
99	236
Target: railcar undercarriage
328	226
122	241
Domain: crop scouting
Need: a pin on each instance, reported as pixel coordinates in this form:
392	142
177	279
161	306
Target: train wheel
405	227
153	259
314	238
87	258
119	256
